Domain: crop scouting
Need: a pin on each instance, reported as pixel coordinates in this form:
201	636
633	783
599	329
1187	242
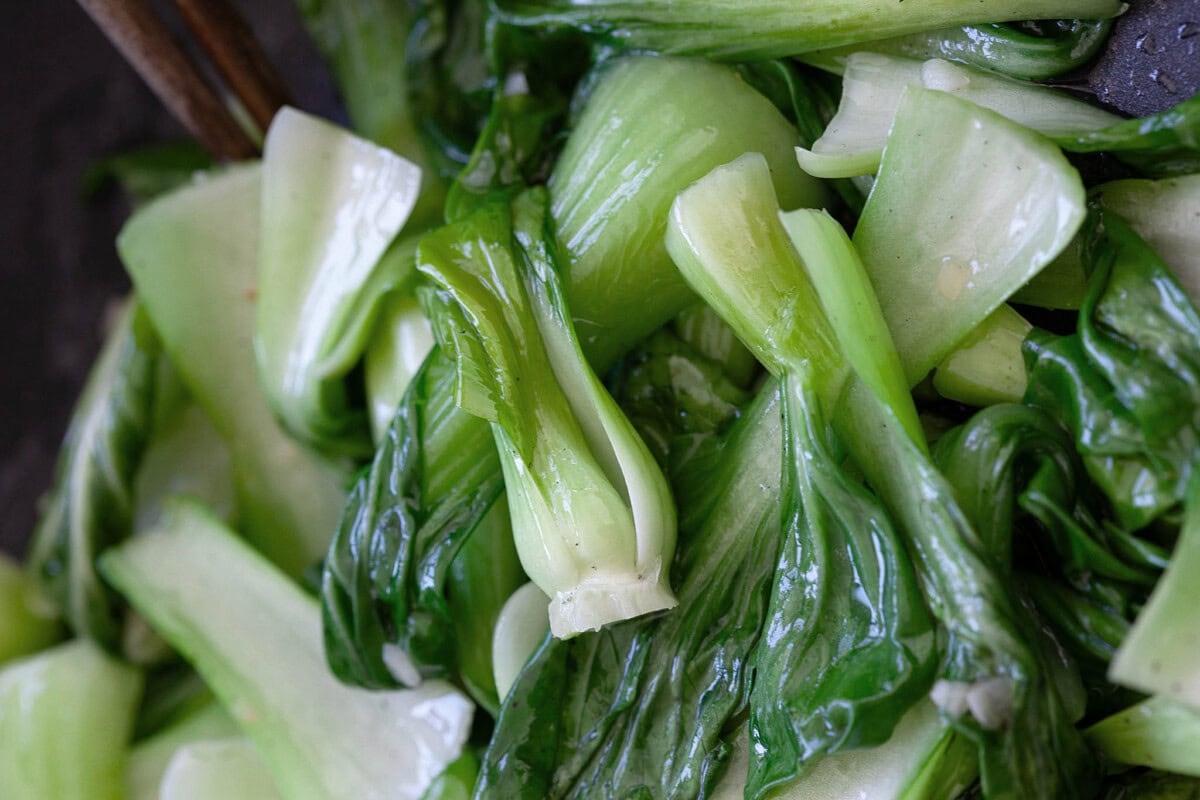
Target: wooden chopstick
146	44
230	44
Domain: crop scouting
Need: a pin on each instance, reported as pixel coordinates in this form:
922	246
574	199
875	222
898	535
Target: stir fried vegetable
615	414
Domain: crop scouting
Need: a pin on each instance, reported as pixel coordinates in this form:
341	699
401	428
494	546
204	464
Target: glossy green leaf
92	503
1127	384
728	107
669	390
1167	143
332	205
535	75
1000	688
482	577
592	516
384	578
643	706
725	29
1029	50
848	645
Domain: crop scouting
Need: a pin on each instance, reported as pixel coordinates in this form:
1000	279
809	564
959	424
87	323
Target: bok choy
557	433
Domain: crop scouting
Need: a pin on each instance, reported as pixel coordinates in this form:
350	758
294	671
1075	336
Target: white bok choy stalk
255	638
592	515
332	204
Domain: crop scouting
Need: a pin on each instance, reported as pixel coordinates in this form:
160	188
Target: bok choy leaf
592	515
332	203
723	29
643	706
717	115
193	257
948	160
1028	747
65	717
811	699
92	504
395	595
255	637
1127	384
872	87
1031	51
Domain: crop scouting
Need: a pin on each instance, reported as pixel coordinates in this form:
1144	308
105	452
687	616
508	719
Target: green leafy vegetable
715	115
1127	384
148	760
987	367
1028	747
92	504
217	769
1154	657
1029	50
394	596
483	576
830	673
366	45
332	203
667	122
1166	213
1160	732
592	515
397	349
771	28
256	638
1167	143
193	257
65	717
948	160
669	390
871	94
808	701
643	706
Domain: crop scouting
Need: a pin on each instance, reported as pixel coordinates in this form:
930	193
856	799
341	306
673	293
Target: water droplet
1164	80
1187	30
953	277
1147	44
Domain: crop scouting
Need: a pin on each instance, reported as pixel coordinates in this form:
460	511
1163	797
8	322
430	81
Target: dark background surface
67	98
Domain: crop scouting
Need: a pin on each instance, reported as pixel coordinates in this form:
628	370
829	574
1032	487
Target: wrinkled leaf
402	526
848	645
640	709
1127	383
92	502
